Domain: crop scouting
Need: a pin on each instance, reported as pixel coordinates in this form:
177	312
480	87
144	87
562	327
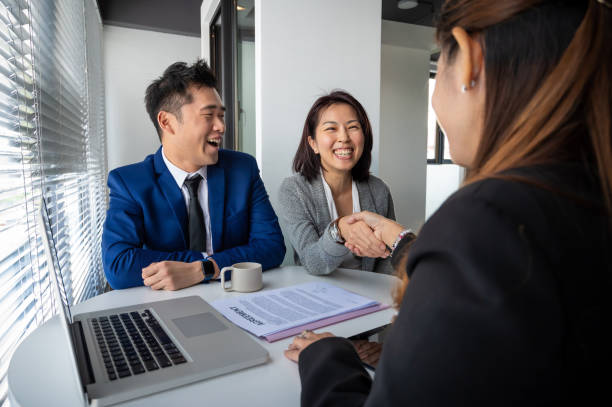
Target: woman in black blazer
508	301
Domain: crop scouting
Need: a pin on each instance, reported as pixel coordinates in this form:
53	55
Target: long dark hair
307	163
548	82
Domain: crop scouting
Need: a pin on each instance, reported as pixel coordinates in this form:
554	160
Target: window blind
52	143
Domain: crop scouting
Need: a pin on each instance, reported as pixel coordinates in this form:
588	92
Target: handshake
368	234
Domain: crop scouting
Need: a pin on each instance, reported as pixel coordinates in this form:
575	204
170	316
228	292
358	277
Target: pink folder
324	322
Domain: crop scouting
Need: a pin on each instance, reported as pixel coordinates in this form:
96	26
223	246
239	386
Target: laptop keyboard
133	343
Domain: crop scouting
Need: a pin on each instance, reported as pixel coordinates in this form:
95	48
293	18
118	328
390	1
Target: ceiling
170	16
423	14
183	16
246	17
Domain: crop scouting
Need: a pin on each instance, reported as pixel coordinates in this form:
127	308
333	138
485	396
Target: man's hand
359	234
173	275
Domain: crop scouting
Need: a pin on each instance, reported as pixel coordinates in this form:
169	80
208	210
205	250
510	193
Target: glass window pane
431	125
246	76
447	155
52	144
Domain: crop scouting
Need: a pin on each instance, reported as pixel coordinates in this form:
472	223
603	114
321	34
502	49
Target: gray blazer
305	216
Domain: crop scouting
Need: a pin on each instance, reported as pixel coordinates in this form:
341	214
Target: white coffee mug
246	277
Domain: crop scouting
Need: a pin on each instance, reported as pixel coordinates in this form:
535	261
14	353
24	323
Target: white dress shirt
180	176
349	261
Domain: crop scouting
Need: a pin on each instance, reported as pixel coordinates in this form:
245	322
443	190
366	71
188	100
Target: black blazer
507	304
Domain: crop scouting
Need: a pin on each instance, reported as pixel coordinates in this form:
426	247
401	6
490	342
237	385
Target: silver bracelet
402	235
334	231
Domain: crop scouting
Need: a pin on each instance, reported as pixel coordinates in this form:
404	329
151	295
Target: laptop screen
55	273
57	282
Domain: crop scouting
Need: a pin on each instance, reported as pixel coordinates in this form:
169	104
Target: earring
464	87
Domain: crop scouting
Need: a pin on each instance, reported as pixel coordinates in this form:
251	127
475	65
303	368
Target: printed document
268	312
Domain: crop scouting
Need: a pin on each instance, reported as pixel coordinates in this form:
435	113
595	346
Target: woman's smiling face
338	138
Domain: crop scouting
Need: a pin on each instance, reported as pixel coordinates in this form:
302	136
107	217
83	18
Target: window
223	64
232	59
52	143
437	143
245	76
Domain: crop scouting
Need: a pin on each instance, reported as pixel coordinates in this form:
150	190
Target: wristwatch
208	269
335	232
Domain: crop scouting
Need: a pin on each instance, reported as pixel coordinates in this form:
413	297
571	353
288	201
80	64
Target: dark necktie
197	227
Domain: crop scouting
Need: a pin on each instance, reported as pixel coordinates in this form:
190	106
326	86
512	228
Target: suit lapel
173	194
215	178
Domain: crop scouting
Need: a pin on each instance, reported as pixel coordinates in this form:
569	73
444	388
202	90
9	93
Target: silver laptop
129	352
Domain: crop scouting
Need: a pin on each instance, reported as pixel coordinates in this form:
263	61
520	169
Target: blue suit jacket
147	221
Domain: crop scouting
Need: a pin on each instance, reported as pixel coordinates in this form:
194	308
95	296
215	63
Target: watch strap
208	269
335	232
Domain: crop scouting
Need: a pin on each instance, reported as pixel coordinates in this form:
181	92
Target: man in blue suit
178	217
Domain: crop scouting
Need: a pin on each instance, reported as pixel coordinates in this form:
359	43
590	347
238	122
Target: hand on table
174	275
302	341
359	234
369	352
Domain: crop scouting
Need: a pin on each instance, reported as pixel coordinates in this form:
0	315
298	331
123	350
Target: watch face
208	268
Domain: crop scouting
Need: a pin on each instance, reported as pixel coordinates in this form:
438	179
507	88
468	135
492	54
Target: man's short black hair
170	91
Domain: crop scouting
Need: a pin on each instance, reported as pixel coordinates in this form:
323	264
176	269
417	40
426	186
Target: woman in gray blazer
332	181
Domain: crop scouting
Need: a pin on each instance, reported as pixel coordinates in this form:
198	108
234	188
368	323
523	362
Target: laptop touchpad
199	324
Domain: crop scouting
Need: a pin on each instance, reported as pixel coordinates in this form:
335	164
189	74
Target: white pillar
304	49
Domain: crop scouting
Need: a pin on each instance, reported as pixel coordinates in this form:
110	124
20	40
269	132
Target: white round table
40	370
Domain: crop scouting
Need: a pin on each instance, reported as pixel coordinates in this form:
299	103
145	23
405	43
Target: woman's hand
383	229
369	352
302	341
359	234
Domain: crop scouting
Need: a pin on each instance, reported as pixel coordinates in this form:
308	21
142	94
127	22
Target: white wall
409	36
418	189
304	49
405	58
403	130
132	59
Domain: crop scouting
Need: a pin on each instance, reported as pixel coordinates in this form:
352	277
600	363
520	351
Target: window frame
223	59
440	138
